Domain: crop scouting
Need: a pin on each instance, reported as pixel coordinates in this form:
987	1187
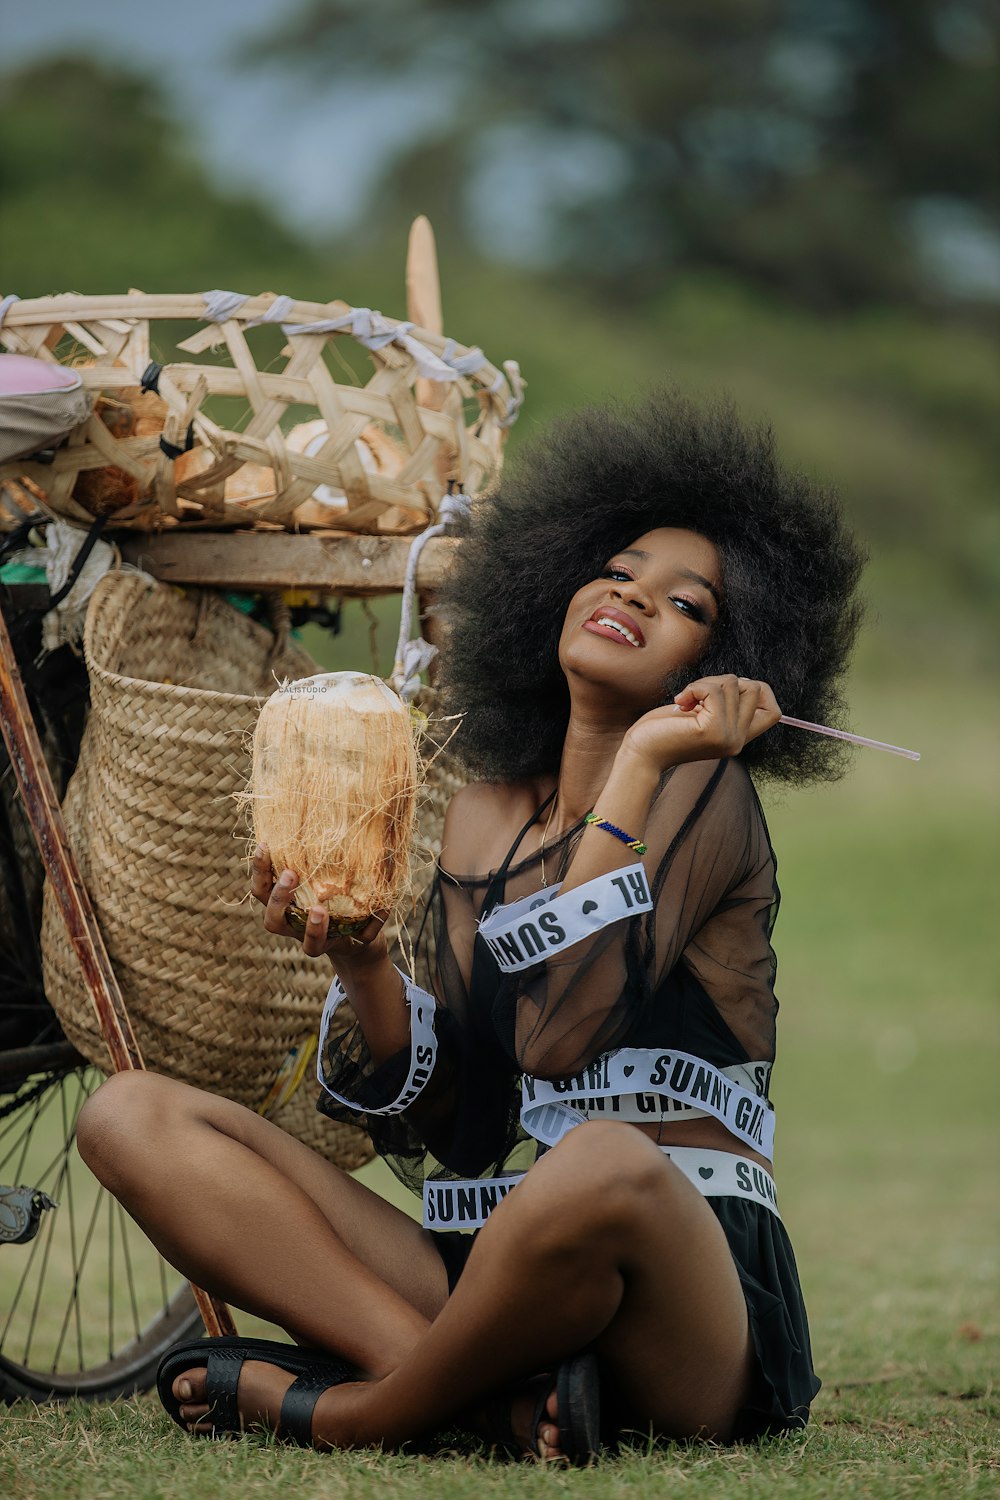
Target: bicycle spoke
73	1306
47	1233
130	1280
111	1275
38	1110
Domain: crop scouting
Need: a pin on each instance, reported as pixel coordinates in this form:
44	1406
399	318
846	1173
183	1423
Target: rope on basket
413	653
374	332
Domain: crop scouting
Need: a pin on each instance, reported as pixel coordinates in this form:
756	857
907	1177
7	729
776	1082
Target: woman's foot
544	1441
337	1419
525	1425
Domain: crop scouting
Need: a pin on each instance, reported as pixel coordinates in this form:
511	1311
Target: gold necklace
545	834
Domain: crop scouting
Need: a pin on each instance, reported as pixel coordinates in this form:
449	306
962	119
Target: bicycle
87	1306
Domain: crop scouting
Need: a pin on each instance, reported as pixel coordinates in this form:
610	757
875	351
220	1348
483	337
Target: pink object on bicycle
40	403
20	375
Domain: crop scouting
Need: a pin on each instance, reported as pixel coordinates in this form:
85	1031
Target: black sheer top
694	973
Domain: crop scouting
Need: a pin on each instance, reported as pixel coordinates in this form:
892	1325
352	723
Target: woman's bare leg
604	1244
249	1213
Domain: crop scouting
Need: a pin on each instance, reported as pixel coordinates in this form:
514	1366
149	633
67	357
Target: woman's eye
611	571
688	607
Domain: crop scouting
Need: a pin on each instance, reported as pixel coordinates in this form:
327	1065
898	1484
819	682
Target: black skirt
784	1380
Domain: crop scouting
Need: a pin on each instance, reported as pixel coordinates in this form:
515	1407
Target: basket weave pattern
433	414
152	814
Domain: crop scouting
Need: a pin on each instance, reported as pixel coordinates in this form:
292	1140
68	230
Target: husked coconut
333	791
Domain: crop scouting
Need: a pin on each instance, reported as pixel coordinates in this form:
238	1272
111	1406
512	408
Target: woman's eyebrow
697	578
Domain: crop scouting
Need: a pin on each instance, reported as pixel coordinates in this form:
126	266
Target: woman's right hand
278	895
710	719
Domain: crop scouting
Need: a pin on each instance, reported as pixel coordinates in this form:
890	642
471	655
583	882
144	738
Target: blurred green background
787	201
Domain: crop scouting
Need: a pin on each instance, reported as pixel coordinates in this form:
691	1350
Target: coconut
333	791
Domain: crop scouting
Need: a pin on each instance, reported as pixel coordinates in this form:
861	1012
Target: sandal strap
222	1378
578	1390
299	1402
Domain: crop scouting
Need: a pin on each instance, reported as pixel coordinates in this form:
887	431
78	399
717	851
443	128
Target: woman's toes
190	1386
548	1441
548	1429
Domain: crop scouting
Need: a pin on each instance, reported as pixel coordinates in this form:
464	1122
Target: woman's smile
616	625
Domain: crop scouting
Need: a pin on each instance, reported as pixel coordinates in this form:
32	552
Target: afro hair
588	487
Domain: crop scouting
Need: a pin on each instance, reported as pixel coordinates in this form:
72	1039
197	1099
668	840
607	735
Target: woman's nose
630	591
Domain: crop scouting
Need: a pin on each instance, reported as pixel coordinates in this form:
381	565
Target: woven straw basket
152	815
166	444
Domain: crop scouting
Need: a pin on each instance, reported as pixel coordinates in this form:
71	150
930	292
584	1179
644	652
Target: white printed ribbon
547	1113
646	1109
468	1203
423	1046
526	932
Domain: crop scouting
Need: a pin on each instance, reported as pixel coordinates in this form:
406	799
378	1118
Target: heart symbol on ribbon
628	1069
706	1172
588	907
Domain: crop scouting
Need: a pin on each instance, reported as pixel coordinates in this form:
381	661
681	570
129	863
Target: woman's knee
601	1176
121	1118
610	1154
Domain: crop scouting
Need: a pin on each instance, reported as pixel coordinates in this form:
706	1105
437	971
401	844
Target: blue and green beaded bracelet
636	845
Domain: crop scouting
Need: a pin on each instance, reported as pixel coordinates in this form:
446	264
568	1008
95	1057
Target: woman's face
639	626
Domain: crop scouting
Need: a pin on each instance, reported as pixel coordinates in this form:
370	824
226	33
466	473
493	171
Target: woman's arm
374	988
569	1008
712	719
422	1086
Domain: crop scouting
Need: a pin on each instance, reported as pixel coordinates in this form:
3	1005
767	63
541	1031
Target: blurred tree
817	146
99	190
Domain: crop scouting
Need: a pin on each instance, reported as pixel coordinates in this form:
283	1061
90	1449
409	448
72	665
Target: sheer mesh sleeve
464	1119
711	874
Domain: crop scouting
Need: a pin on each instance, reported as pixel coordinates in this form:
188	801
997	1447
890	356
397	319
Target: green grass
888	1135
863	1443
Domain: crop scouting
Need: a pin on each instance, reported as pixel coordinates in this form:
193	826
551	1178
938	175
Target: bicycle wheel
87	1306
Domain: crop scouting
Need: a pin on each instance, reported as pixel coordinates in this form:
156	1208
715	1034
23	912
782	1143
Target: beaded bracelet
636	845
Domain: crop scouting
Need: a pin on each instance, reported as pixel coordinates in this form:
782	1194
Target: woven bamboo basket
369	455
152	815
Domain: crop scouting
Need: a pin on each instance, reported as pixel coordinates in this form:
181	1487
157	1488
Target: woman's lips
616	628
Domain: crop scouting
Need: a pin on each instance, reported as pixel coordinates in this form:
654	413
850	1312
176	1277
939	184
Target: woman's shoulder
706	798
482	821
700	781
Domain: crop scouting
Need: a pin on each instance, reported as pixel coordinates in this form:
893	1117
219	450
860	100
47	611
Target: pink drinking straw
852	739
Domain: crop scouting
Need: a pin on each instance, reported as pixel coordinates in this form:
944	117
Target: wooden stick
350	565
45	816
423	307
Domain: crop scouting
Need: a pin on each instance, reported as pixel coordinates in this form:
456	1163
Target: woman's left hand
277	896
710	719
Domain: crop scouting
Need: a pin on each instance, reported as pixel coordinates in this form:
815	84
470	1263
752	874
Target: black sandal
578	1393
315	1371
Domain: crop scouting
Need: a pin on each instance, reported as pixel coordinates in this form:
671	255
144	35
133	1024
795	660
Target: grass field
888	1141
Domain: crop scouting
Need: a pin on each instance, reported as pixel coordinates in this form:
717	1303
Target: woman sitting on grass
625	616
